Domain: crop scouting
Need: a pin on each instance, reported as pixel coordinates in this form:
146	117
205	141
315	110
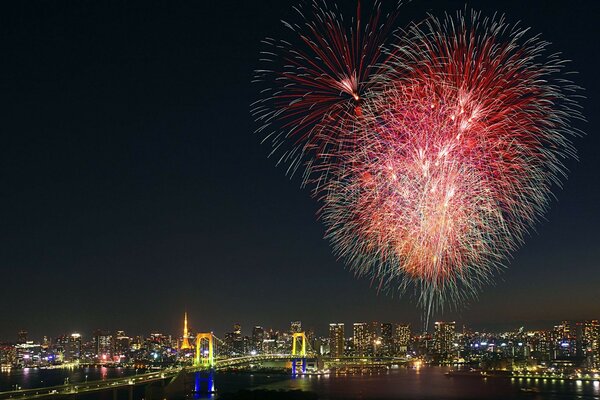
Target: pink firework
432	157
455	158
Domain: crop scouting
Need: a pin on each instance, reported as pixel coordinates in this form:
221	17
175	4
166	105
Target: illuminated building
122	345
336	339
28	354
402	338
361	339
591	340
185	345
258	337
373	328
443	337
8	355
387	339
563	341
103	342
72	349
234	342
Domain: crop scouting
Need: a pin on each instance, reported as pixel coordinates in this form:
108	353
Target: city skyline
348	326
133	186
565	346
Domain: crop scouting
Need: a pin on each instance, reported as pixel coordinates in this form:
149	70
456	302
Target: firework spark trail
315	84
436	172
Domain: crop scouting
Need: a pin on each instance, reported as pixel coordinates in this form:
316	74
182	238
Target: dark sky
132	187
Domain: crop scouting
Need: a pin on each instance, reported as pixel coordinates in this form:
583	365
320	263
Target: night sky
132	186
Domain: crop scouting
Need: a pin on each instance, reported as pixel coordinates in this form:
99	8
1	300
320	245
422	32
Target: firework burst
315	83
450	160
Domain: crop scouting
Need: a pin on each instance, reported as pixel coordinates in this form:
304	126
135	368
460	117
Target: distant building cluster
568	346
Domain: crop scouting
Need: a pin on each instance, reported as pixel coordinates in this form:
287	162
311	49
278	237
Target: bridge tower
298	352
206	358
185	345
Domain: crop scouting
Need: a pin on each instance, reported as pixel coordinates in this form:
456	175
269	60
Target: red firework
433	165
454	160
315	84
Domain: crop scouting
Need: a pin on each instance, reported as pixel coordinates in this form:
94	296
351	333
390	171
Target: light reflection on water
408	384
431	383
29	378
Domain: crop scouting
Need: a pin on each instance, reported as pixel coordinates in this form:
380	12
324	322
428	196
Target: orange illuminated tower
186	344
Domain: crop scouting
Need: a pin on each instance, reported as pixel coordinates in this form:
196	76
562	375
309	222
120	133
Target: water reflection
204	385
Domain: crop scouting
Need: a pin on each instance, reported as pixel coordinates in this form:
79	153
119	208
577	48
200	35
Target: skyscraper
443	337
387	339
104	345
258	336
72	349
122	345
591	336
361	339
374	343
336	339
401	338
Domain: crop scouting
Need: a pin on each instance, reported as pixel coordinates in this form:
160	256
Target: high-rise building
185	343
72	349
104	345
443	337
361	339
122	345
591	338
295	327
387	339
234	342
336	339
258	337
374	343
402	338
563	341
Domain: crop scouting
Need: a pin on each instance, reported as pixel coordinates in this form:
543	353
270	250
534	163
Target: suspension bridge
205	360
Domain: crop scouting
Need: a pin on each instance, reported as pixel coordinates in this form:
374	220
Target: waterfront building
122	346
361	339
258	337
72	350
336	339
443	337
103	342
387	339
402	336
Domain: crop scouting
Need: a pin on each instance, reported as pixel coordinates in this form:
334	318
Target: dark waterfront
30	378
431	383
409	384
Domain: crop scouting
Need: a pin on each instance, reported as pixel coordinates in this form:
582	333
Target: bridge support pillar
300	351
206	358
